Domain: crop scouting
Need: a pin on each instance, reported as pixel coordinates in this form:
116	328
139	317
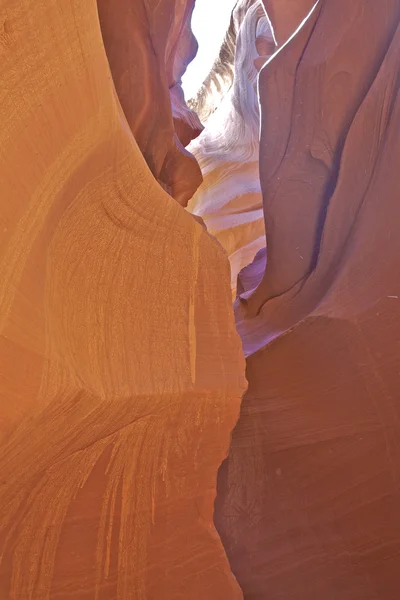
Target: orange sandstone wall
148	44
121	371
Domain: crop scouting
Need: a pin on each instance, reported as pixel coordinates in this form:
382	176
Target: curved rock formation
120	368
300	155
121	372
186	122
287	15
148	44
308	500
229	199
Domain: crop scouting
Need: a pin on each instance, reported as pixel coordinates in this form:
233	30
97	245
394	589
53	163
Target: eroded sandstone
229	199
121	370
307	501
149	44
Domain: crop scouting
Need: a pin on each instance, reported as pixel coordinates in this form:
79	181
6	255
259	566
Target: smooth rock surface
308	499
287	15
148	44
121	371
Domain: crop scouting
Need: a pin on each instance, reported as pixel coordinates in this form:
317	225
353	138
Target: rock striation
307	500
229	199
149	44
121	371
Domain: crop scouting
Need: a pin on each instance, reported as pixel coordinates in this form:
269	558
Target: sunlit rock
229	199
121	371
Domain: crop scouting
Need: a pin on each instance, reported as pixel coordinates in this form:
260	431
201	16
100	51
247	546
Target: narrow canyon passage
199	300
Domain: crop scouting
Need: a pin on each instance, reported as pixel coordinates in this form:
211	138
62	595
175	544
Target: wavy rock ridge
229	199
307	500
121	371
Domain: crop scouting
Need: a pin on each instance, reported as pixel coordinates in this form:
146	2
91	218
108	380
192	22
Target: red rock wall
308	500
121	372
148	44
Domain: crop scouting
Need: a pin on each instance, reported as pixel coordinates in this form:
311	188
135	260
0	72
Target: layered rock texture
148	44
229	199
308	500
121	370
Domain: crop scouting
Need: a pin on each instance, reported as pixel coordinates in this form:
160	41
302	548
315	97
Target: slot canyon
199	302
